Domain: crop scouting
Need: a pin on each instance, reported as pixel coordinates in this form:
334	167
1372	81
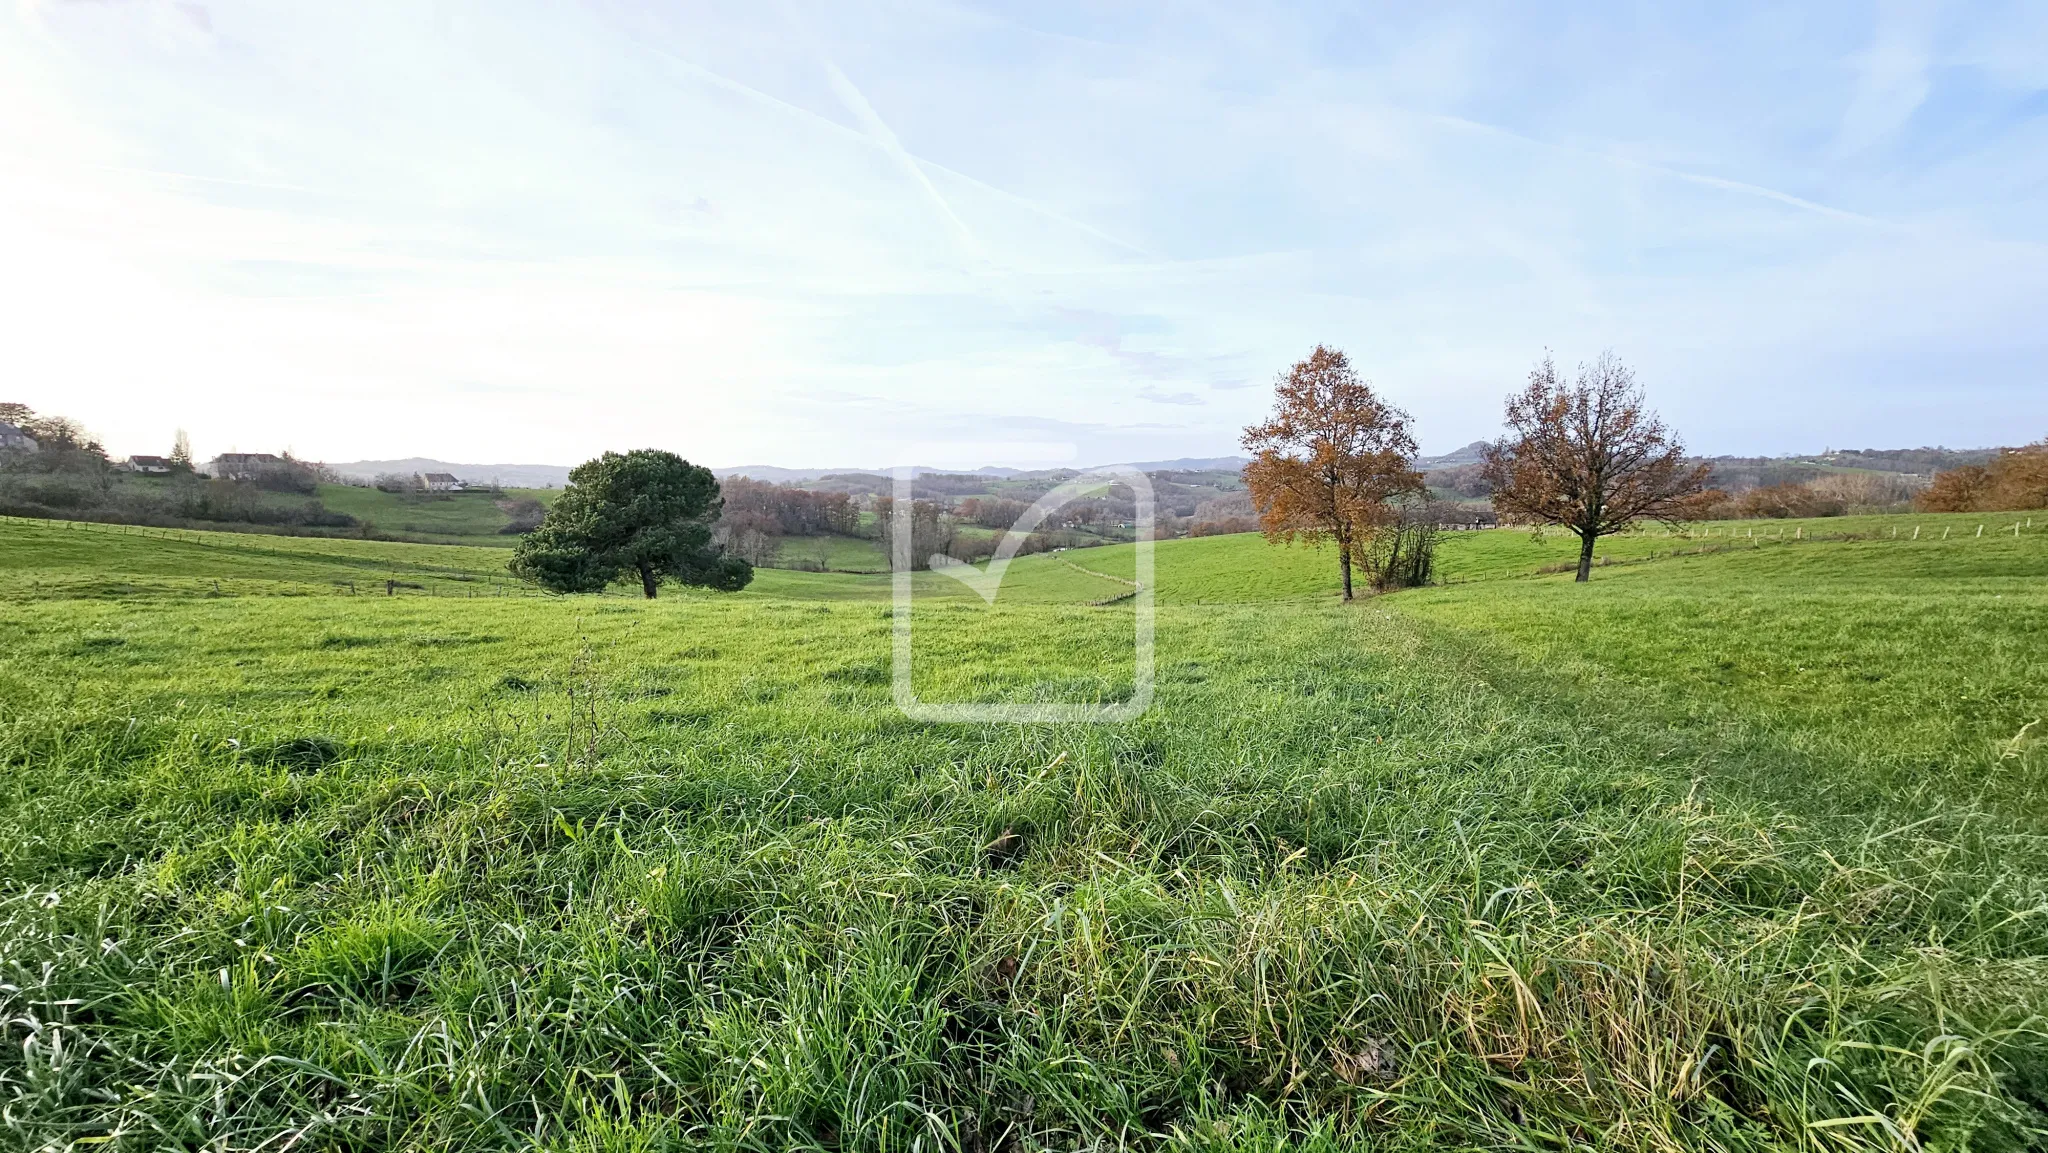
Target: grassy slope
835	553
59	559
470	517
72	559
464	517
1242	567
1504	863
1903	664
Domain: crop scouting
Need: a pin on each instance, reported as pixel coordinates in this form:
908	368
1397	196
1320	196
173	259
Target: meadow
471	517
1739	846
468	517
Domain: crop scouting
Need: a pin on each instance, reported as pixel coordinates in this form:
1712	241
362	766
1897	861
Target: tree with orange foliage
1957	489
1330	460
1589	457
2016	478
2020	477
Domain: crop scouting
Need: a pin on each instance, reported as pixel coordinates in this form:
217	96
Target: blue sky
807	233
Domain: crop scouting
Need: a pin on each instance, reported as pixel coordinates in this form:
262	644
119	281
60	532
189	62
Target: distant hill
508	475
778	475
1924	461
1194	464
1470	454
1452	471
557	475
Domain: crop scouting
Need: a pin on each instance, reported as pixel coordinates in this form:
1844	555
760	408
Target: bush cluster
1835	494
2016	478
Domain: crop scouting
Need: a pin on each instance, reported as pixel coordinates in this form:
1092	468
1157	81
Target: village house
438	482
12	438
148	465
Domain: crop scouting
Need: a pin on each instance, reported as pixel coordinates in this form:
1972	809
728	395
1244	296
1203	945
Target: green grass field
70	559
1742	845
459	517
832	554
471	517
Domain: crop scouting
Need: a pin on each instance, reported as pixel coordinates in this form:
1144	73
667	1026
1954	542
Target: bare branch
1590	457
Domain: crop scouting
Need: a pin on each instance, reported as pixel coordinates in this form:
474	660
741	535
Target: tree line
69	475
936	529
757	514
2017	478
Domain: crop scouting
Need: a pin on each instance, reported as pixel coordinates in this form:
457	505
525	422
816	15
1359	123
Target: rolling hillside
1742	842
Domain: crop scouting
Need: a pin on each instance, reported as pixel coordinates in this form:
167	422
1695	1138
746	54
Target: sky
871	231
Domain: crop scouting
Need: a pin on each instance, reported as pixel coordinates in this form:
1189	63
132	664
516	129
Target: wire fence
371	575
1707	540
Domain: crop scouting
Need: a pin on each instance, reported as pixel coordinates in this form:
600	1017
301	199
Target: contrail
1753	190
1757	190
872	122
877	130
706	75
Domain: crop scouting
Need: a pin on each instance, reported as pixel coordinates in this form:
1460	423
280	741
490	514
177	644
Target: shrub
1231	512
2019	477
992	512
2016	478
1223	527
1866	492
291	476
1788	500
1957	490
525	515
1403	554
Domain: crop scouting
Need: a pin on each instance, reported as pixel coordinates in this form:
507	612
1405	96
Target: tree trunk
1585	556
647	580
1344	564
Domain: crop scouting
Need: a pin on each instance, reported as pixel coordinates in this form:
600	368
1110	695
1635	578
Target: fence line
429	581
1749	539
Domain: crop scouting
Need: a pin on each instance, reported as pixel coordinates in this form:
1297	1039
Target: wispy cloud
800	234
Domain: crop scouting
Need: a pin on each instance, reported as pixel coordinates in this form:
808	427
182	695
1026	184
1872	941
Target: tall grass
606	875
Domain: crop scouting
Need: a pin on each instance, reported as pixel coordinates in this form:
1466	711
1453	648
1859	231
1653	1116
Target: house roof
149	460
440	477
